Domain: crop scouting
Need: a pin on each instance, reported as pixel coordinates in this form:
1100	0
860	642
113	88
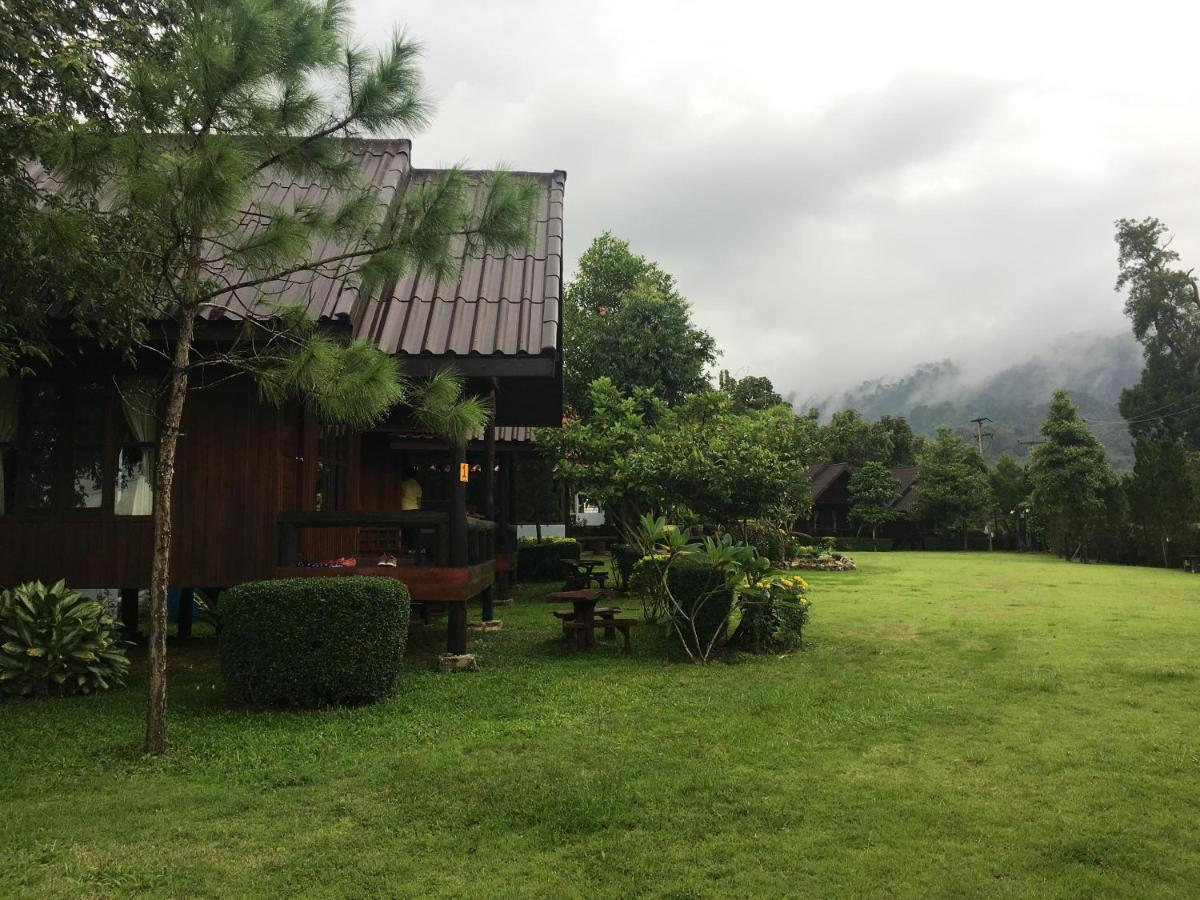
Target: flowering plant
774	612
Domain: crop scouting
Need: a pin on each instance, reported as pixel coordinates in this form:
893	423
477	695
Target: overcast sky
842	190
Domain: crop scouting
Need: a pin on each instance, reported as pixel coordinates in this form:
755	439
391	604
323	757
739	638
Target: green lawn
959	724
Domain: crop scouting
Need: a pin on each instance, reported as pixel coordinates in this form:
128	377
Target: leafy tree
905	444
732	468
636	456
625	320
58	62
1163	303
613	456
1161	493
750	392
955	492
1010	488
873	490
850	438
1070	478
251	92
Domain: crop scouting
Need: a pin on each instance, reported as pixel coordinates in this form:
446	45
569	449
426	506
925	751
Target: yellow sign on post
463	472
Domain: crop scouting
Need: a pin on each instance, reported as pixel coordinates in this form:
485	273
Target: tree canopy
701	458
1163	305
955	492
873	488
624	320
1070	478
749	392
849	437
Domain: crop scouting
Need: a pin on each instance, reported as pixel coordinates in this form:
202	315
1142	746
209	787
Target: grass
958	725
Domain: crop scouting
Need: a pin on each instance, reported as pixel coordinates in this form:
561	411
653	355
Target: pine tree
249	93
1070	479
954	483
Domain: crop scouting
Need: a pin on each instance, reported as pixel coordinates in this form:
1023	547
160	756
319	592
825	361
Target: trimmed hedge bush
313	642
703	594
541	560
863	543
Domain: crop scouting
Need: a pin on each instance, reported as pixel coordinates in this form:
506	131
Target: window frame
65	451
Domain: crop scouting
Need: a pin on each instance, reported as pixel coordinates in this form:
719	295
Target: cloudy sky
842	190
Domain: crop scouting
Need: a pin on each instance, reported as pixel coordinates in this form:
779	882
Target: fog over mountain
1094	367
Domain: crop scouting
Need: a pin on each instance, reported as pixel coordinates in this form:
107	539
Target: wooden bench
575	629
605	613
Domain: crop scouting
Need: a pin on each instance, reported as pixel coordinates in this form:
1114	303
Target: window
42	412
83	445
138	431
88	433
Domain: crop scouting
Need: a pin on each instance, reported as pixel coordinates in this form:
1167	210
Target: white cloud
841	190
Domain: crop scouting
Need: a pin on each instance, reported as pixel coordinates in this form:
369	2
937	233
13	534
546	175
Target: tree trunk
1166	553
160	573
964	534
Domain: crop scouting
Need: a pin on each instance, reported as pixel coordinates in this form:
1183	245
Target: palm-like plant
56	641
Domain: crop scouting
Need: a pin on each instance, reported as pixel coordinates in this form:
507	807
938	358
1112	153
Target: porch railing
422	535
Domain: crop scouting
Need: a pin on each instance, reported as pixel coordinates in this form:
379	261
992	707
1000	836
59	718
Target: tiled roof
494	306
384	165
822	475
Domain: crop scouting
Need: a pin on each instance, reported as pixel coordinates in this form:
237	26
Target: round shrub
542	560
313	642
56	642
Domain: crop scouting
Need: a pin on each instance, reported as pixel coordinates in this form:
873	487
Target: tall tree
850	438
1163	303
625	320
1070	479
873	490
1010	488
749	392
247	96
1161	494
905	443
955	492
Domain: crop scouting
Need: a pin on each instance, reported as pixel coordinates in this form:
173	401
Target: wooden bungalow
264	492
830	516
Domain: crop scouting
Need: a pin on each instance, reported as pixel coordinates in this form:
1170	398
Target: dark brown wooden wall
236	467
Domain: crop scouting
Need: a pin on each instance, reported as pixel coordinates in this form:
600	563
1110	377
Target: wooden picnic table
583	572
1191	563
584	603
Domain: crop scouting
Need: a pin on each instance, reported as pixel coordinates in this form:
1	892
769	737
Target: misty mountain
1093	367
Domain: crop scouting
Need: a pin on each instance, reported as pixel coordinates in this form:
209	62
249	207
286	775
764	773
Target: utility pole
979	432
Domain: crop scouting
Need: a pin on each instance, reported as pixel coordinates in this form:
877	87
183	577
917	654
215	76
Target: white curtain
8	426
139	400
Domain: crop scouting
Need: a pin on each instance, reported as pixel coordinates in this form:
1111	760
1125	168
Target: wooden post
489	473
183	624
456	614
489	507
129	613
